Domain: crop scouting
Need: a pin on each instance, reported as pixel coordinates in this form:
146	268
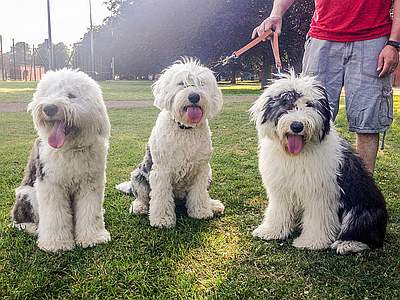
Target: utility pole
25	73
50	41
113	57
1	59
91	42
15	68
34	62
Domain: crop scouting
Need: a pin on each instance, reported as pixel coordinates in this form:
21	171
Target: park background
215	259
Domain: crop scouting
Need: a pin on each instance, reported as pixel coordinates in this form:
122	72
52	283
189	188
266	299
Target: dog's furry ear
324	109
158	94
104	128
162	99
30	107
216	103
256	109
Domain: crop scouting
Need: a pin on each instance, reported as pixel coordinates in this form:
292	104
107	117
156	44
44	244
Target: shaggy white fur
176	164
306	168
63	188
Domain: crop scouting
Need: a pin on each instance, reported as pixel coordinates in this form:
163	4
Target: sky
26	20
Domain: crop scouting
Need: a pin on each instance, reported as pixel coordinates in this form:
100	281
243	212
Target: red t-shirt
351	20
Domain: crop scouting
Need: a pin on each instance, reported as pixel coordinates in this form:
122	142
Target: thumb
254	34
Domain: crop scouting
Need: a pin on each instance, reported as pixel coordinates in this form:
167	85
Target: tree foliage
144	36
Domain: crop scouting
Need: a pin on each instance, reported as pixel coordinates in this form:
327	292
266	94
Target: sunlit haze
26	20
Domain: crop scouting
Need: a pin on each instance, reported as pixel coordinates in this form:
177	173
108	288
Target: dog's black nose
194	98
50	110
297	127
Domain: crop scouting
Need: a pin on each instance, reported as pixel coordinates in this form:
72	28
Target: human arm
389	57
274	21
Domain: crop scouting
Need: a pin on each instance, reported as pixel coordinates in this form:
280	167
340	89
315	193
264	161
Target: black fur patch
40	173
147	163
362	203
144	168
323	108
32	165
276	106
23	210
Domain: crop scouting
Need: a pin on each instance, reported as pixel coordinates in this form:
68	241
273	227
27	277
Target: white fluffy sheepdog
311	174
61	194
176	163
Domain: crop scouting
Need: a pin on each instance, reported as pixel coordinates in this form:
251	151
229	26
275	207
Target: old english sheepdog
176	164
61	195
312	176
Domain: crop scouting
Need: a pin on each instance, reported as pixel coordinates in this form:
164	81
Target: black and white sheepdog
61	195
312	176
176	164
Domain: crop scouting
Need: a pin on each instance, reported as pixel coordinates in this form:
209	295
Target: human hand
273	23
387	61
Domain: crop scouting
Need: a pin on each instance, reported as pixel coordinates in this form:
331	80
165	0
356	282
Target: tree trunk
265	72
233	79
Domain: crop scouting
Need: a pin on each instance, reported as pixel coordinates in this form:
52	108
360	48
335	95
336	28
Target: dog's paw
201	213
101	237
163	222
312	243
139	208
266	233
55	245
346	247
30	228
125	187
217	207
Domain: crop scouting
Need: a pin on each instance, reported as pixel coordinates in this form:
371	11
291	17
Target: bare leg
367	147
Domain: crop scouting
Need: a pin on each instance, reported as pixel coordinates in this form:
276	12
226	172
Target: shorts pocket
386	107
310	64
369	56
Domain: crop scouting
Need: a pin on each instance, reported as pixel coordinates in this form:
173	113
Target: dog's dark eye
310	104
71	96
181	83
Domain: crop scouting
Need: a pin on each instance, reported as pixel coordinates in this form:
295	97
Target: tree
61	55
144	36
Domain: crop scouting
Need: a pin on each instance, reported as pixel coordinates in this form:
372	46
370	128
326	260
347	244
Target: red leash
274	44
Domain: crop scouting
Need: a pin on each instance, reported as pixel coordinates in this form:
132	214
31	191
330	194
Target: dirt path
119	104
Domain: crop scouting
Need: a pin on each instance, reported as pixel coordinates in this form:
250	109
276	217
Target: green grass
215	259
16	91
20	91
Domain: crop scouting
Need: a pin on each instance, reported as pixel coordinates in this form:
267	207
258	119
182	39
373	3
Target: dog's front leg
55	232
89	220
162	204
199	204
279	217
320	225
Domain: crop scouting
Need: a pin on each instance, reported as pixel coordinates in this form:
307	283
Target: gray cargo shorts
352	65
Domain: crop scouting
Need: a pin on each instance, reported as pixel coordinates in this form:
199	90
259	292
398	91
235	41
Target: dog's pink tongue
57	135
295	143
194	114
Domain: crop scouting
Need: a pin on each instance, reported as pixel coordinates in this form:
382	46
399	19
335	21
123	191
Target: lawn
214	259
20	91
